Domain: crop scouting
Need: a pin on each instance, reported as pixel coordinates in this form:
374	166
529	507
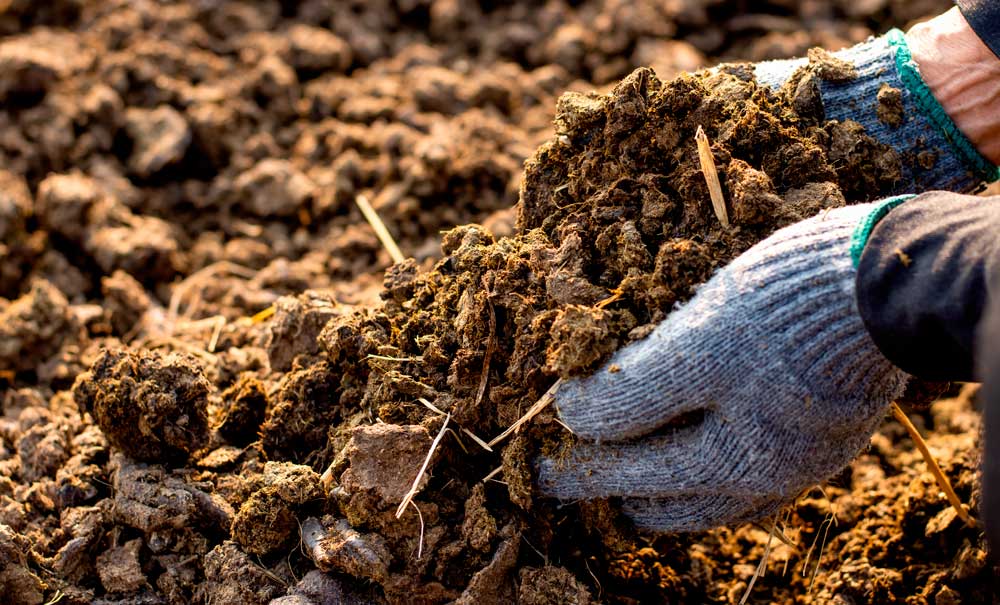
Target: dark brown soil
148	406
171	169
492	326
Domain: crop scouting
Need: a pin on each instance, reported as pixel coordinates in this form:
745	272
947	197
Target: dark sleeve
924	280
989	372
984	18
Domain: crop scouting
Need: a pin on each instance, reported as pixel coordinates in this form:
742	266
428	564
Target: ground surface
171	169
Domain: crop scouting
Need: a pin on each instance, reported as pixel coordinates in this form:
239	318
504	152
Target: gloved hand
770	369
894	85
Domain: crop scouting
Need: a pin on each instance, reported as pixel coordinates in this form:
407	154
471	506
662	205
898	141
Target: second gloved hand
765	384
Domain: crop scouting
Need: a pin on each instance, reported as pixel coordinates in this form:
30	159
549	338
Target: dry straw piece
380	229
932	465
264	315
762	566
420	474
707	162
467	432
533	411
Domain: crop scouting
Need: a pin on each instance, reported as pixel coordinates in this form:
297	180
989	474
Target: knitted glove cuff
935	153
864	229
909	73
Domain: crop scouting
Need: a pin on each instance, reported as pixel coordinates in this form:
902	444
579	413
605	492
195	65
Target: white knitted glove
771	371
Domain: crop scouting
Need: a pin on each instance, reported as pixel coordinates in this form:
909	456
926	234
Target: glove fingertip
583	411
617	402
554	482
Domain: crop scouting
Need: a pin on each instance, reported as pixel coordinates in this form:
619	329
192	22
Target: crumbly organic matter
267	521
150	406
172	169
890	105
497	321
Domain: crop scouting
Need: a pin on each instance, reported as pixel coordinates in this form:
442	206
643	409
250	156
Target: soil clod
195	320
150	406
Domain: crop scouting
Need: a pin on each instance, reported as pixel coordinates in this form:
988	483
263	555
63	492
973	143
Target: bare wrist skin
964	75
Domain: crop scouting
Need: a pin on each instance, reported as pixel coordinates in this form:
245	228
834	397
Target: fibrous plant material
762	566
933	466
380	229
408	498
533	411
711	176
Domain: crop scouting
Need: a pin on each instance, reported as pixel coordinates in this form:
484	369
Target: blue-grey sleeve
925	278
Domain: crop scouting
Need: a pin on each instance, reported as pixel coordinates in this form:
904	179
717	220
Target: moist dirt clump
481	336
890	106
256	393
150	406
268	520
34	327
